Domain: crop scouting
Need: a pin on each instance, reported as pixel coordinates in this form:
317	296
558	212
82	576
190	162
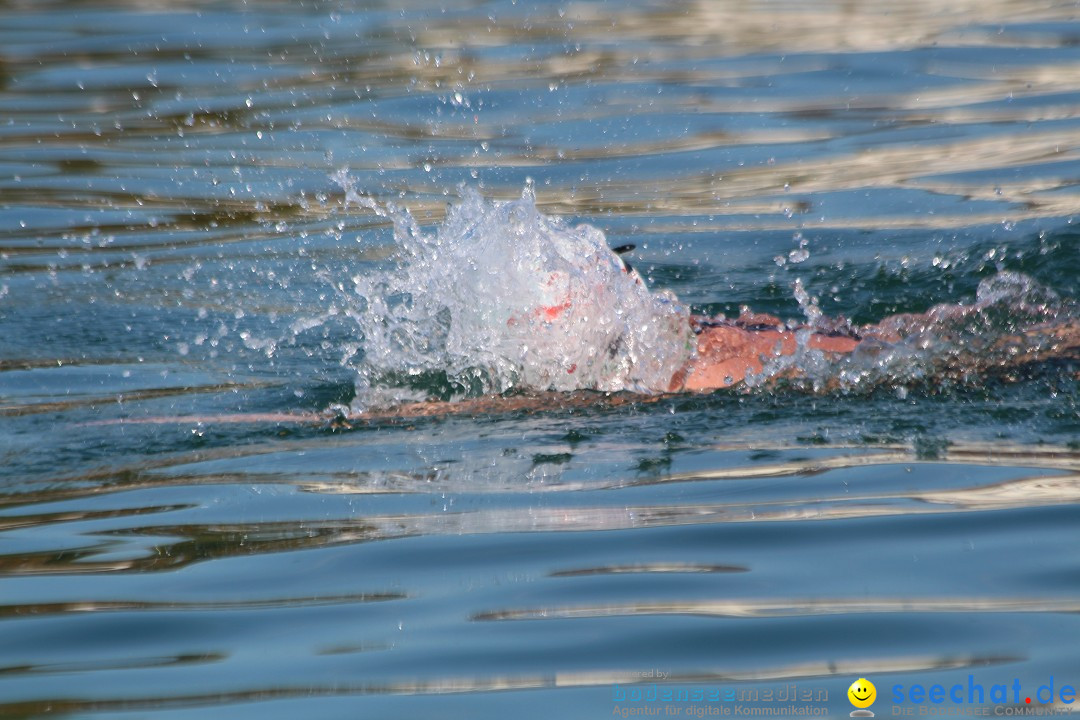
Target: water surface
173	243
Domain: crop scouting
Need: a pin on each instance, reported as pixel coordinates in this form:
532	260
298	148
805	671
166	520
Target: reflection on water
302	558
173	253
165	547
194	121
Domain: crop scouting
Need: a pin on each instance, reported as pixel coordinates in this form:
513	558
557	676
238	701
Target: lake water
176	246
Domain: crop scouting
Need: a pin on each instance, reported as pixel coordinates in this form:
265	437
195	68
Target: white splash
502	296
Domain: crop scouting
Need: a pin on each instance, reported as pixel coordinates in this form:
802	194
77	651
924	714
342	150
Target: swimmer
728	352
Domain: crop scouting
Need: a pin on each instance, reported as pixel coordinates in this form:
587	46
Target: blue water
175	246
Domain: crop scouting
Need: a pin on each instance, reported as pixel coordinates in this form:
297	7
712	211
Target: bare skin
726	354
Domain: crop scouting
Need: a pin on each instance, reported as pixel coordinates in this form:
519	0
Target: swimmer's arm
729	351
726	354
487	405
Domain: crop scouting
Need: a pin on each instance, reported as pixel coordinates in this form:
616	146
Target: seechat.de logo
862	695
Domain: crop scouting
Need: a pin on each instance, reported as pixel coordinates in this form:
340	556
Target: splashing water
502	296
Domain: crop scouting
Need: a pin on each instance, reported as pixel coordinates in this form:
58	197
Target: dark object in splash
623	250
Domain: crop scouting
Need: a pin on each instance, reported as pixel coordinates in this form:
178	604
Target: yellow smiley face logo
862	693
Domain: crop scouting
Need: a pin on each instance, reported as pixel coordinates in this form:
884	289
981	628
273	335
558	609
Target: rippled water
174	246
